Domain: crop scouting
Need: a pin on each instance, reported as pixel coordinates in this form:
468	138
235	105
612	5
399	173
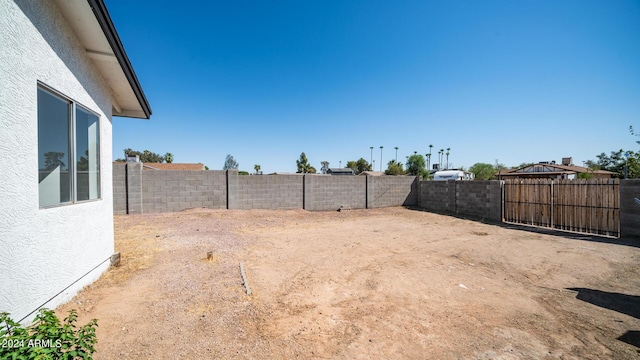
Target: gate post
552	203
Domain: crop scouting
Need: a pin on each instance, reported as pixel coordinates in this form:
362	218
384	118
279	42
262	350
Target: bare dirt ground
365	284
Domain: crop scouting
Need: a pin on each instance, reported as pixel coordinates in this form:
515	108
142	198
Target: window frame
72	107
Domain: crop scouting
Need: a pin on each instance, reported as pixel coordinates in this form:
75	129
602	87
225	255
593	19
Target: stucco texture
45	251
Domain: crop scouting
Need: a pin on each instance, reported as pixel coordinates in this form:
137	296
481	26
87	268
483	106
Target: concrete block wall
153	191
629	208
134	188
169	191
232	189
438	196
327	192
119	188
385	191
136	191
482	199
270	192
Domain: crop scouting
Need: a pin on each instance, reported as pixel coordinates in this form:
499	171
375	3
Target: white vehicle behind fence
444	175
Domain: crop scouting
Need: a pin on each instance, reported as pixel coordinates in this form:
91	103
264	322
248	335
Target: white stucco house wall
63	75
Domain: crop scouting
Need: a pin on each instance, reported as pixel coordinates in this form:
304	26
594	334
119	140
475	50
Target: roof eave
102	16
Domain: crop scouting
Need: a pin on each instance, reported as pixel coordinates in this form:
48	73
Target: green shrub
47	338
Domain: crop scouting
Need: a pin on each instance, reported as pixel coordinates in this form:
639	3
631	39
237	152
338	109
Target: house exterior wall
48	254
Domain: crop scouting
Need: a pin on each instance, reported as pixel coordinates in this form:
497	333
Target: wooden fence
584	206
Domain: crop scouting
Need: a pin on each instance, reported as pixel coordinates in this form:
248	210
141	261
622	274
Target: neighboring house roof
340	171
172	166
372	173
536	170
92	24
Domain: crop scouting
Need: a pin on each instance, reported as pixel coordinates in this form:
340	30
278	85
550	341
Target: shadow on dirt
631	337
632	241
622	303
626	241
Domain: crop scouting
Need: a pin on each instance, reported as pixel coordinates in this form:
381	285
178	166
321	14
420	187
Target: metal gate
584	206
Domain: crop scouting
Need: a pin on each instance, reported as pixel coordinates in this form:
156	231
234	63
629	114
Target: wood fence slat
579	205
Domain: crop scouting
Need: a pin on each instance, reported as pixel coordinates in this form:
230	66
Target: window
68	151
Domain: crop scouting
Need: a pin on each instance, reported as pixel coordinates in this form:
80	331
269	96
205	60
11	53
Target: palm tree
256	167
168	157
371	147
396	154
441	152
381	157
429	157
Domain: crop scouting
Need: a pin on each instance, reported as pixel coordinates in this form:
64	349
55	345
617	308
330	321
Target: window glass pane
87	155
54	181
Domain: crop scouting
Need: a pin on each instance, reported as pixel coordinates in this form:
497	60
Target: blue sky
513	81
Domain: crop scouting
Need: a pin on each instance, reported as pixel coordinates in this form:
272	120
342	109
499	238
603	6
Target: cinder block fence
480	199
152	191
137	191
630	207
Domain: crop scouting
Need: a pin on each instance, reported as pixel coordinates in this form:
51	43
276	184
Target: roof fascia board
102	16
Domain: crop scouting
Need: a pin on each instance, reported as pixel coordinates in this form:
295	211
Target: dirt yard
364	284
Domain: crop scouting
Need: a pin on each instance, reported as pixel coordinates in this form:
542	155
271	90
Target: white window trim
72	151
